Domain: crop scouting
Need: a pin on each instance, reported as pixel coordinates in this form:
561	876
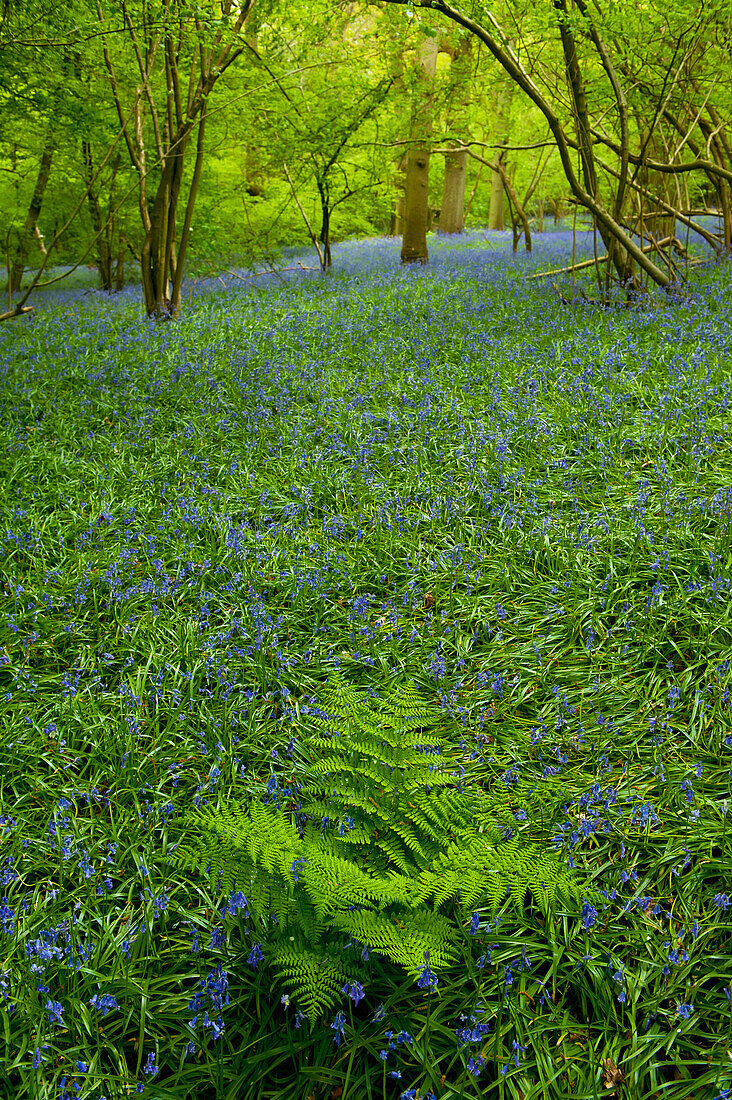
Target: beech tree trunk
416	188
30	230
452	212
502	110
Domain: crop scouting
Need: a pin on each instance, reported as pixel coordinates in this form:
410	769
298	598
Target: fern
316	978
384	837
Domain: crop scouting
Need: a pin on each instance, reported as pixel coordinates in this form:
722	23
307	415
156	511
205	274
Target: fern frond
403	939
316	978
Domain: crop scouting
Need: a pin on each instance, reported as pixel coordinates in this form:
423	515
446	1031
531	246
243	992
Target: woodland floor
451	474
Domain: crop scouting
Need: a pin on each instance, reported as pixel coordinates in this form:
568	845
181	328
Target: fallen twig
270	271
656	245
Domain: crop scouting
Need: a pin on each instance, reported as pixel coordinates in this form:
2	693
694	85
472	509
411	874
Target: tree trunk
119	271
157	256
416	190
502	111
496	212
520	213
30	226
396	227
452	212
100	226
325	229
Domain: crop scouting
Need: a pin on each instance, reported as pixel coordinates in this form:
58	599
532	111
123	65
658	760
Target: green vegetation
442	482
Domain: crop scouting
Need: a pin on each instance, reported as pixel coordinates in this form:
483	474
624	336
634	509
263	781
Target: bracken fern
384	835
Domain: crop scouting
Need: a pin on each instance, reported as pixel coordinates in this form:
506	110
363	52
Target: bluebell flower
589	915
151	1067
104	1003
255	956
338	1027
427	978
354	990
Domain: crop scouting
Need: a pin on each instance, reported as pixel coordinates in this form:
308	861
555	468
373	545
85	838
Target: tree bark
520	212
325	231
416	189
99	225
452	212
496	213
30	229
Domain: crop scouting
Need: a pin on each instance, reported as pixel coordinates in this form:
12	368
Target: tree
179	52
29	231
575	118
452	210
502	114
416	186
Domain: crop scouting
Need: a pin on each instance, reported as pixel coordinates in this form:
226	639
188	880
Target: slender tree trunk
452	212
520	216
178	255
325	236
99	225
325	212
30	229
416	191
158	255
621	258
119	271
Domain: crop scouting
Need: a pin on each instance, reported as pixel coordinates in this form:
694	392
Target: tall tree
416	187
501	115
452	210
29	231
178	53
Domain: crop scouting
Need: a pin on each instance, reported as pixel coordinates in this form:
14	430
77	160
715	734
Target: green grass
444	476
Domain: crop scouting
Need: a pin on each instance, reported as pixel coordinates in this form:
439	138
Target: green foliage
385	834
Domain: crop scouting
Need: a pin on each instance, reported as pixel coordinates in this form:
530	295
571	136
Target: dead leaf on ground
613	1075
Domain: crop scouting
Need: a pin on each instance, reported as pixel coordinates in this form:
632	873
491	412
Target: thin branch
654	247
313	236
